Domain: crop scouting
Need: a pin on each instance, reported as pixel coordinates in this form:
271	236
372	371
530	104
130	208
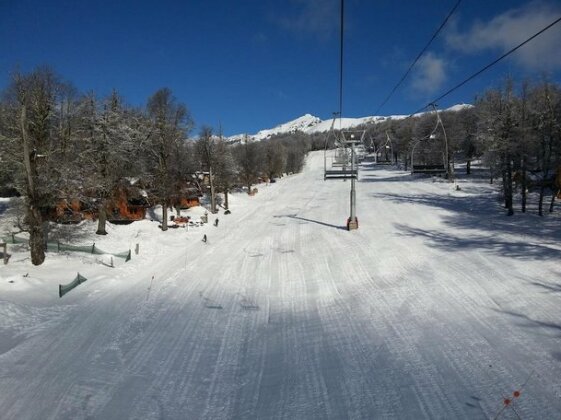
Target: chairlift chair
344	162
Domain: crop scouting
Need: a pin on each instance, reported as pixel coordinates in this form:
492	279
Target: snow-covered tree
31	138
207	150
545	114
249	162
226	169
499	124
110	138
275	159
171	122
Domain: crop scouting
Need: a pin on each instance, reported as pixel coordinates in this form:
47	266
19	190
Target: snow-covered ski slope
439	306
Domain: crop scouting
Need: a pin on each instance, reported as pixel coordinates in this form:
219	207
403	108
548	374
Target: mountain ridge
309	124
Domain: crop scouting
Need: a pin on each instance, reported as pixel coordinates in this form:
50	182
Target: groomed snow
439	306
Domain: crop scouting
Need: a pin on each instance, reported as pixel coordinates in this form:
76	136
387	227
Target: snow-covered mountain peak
309	124
459	107
303	123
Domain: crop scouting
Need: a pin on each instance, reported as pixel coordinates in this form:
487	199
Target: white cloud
429	74
514	26
313	17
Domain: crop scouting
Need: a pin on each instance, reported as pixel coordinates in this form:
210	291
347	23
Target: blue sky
250	65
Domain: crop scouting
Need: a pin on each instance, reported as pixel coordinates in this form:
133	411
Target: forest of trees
57	142
514	130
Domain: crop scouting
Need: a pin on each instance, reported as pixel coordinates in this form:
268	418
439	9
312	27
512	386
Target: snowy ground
439	306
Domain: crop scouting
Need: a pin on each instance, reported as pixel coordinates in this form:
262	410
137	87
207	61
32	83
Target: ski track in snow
283	314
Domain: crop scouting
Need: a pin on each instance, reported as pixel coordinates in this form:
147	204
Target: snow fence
58	247
65	288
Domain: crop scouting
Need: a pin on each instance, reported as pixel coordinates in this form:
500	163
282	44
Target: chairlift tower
352	222
347	142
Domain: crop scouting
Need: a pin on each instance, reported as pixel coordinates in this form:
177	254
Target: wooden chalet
128	202
71	210
187	196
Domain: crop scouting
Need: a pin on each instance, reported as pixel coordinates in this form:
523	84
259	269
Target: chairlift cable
473	76
419	56
341	63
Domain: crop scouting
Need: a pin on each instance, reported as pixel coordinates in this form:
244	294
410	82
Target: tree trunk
36	235
164	216
468	167
524	186
547	152
102	218
540	202
554	194
504	184
226	199
508	186
509	191
212	194
34	218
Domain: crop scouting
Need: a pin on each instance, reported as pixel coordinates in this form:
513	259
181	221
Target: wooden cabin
187	196
66	211
128	203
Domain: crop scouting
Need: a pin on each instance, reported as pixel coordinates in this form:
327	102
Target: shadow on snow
294	216
526	321
485	226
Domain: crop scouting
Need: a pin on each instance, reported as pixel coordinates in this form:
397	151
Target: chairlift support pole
327	142
415	144
352	223
343	143
389	145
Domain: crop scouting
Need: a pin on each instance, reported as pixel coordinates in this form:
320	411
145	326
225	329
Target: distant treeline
514	129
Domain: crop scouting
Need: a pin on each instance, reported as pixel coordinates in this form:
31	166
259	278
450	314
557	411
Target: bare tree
247	158
226	170
468	141
545	103
32	103
207	147
275	159
109	138
499	127
171	122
